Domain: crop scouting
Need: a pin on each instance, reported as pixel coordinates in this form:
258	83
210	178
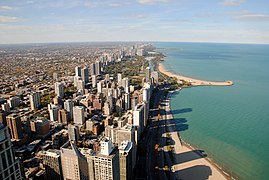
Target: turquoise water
230	123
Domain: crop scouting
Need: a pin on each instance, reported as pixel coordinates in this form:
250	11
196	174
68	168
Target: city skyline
228	21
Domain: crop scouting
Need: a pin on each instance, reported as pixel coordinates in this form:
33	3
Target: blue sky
232	21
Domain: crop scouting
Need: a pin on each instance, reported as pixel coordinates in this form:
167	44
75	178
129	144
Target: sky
42	21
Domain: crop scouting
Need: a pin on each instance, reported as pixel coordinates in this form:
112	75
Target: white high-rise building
78	115
106	147
10	167
53	112
94	81
148	75
106	163
78	71
119	79
99	87
59	89
35	100
127	103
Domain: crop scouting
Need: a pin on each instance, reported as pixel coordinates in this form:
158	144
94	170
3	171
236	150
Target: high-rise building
78	71
126	160
53	112
78	115
14	101
85	74
80	84
94	81
35	100
74	164
106	162
138	118
59	89
15	126
55	76
127	102
68	106
73	133
126	133
52	163
140	52
63	116
148	75
98	68
119	79
92	67
99	87
76	79
10	167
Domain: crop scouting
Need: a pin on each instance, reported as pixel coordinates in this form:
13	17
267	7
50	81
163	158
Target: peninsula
194	82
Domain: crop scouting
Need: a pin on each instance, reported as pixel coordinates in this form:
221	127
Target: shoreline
193	81
182	146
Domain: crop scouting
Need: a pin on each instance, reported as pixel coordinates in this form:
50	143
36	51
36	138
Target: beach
194	82
188	162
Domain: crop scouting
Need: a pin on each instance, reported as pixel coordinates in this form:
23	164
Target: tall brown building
15	126
52	162
63	116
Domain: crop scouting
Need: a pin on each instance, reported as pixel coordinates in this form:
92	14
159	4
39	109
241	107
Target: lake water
230	123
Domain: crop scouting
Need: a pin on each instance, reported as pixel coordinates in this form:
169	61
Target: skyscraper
85	74
15	126
68	106
78	115
35	100
126	160
119	79
148	75
10	167
106	163
98	67
59	89
92	67
78	71
63	116
74	164
94	81
52	162
53	112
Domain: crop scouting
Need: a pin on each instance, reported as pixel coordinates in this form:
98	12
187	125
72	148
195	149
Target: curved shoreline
194	82
181	147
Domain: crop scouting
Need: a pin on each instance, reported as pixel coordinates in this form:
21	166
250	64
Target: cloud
250	16
149	2
5	8
7	19
115	5
232	2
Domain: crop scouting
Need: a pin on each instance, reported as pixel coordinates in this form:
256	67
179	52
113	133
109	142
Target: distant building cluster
83	124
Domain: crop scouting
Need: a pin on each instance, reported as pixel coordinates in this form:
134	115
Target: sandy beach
194	82
188	162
